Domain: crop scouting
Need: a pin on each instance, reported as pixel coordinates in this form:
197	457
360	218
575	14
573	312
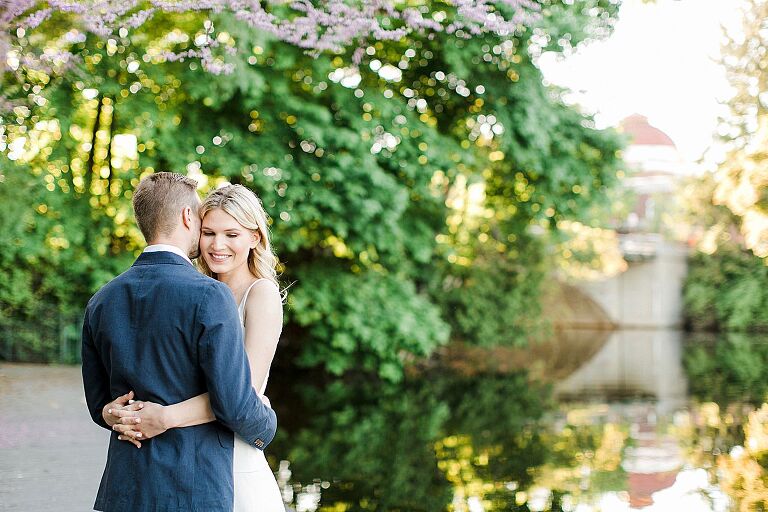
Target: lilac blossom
328	25
324	25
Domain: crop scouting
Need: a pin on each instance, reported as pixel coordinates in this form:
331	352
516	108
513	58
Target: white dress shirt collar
167	248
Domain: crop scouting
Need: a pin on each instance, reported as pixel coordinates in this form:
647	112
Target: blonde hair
243	205
158	200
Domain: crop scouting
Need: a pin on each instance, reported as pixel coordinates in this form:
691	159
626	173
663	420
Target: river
629	420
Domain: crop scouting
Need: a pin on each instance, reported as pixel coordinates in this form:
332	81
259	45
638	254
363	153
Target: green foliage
492	301
609	481
360	180
28	312
368	321
731	369
50	269
724	287
724	291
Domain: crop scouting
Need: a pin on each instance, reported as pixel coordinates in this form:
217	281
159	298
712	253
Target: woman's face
224	242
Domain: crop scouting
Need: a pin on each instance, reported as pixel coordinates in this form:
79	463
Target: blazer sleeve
95	377
227	372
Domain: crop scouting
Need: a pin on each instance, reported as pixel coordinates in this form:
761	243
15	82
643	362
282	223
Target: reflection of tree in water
584	453
417	445
742	472
728	428
492	436
444	441
732	445
373	443
729	369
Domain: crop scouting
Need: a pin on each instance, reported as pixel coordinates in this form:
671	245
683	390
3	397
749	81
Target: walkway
51	453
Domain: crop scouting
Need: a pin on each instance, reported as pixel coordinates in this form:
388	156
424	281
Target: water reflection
621	432
419	446
632	364
728	369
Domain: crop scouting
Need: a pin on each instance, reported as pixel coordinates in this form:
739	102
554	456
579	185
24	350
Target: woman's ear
255	239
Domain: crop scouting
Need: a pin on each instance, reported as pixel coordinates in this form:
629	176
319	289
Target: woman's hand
144	420
121	403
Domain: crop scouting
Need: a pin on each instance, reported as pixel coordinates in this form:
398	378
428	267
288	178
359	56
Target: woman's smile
218	258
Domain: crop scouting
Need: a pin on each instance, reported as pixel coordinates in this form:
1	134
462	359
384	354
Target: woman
235	249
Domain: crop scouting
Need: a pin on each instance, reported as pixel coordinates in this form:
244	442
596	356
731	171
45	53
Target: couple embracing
176	359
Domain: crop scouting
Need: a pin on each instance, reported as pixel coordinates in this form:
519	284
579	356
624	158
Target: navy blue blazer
169	333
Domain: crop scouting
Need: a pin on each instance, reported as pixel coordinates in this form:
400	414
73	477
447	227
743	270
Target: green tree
724	291
742	182
360	169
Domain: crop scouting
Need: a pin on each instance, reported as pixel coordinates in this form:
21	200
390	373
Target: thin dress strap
241	306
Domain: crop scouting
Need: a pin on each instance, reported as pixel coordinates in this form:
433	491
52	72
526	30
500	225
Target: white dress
256	489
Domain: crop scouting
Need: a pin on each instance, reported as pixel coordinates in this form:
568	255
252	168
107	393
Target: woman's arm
149	419
263	325
194	411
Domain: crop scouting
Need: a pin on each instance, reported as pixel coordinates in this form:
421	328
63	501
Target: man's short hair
158	201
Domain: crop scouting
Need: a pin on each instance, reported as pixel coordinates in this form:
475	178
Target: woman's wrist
169	417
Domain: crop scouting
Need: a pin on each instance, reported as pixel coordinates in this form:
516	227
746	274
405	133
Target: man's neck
160	246
166	241
180	243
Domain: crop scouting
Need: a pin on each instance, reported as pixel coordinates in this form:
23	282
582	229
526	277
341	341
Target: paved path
51	453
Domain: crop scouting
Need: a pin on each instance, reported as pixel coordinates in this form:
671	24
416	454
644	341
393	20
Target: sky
659	62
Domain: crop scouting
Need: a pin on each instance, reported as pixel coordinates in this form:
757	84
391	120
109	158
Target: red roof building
643	133
653	168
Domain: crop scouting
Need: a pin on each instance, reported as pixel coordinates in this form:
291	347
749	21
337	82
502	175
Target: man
168	333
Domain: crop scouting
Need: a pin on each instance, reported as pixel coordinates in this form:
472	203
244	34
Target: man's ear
186	217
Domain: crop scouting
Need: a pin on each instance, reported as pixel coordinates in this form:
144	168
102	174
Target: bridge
648	294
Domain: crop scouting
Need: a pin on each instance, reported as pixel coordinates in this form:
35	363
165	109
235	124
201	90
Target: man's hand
147	420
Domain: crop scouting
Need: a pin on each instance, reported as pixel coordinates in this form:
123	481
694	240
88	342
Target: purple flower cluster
319	26
314	25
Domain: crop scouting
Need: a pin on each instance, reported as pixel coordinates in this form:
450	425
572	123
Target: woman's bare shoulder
264	295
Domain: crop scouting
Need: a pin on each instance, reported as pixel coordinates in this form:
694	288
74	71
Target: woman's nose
218	243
